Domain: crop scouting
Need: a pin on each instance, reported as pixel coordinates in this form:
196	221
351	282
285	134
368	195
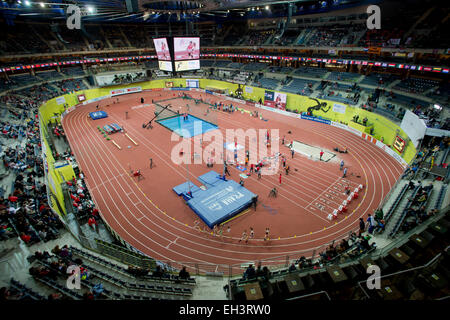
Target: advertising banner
118	92
275	100
306	117
340	108
61	100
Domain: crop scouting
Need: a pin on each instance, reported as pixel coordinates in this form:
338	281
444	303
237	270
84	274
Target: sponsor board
180	89
81	97
399	144
275	99
95	99
353	130
339	108
192	83
118	92
60	100
306	117
237	100
339	125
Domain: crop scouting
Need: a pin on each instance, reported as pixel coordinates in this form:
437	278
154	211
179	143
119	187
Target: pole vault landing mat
98	115
311	151
220	201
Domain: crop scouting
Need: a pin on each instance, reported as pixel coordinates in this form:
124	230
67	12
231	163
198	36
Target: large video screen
187	65
162	49
165	66
186	48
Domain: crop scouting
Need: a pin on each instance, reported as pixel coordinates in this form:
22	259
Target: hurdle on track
131	139
116	145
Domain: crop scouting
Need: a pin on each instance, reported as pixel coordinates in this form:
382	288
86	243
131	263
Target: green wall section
381	125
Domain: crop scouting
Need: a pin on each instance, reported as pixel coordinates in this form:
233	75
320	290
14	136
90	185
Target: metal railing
311	294
429	263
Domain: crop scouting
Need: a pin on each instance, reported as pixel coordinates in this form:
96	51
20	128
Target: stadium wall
55	176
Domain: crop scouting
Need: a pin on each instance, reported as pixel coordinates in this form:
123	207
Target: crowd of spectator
55	265
258	38
82	203
39	93
24	212
417	212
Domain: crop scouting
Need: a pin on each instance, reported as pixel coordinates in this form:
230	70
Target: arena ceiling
149	11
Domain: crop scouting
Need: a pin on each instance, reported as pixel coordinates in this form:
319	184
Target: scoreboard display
178	53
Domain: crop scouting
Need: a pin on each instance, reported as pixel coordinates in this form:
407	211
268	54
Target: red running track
152	218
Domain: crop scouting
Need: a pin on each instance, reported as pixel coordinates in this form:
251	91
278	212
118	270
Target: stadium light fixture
19	2
42	4
27	3
267	7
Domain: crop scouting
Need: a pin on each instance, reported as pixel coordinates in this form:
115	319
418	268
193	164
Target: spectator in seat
428	188
158	272
362	225
371	223
266	273
380	226
379	214
92	223
65	252
250	273
184	274
6	294
97	290
88	296
292	268
25	237
54	296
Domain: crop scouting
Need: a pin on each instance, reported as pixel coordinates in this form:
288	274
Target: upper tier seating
310	72
416	85
299	86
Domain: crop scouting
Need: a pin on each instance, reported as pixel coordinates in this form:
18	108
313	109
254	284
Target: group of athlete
218	231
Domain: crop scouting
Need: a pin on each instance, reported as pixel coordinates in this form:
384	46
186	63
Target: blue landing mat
183	188
220	202
210	178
